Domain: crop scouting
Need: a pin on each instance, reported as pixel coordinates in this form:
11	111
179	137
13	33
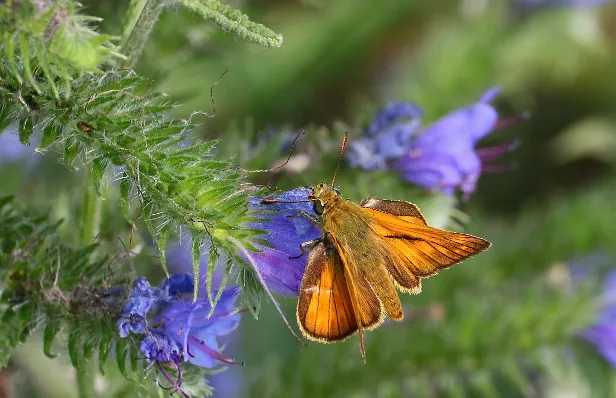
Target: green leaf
162	246
41	52
9	45
134	362
121	353
197	242
160	238
104	347
88	348
24	49
50	135
125	198
48	337
99	166
74	349
223	284
71	150
25	131
211	267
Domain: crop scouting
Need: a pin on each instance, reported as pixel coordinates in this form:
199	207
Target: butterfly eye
318	207
337	191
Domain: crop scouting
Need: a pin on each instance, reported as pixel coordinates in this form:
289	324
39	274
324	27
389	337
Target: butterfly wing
325	310
417	250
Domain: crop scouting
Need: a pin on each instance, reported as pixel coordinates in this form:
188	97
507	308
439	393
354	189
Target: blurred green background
492	326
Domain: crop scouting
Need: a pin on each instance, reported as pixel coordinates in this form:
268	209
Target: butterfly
365	254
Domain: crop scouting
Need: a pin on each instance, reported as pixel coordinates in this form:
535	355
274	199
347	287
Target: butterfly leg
307	246
303	213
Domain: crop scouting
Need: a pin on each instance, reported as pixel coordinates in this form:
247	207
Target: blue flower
393	111
196	332
443	156
175	328
160	346
387	137
142	298
602	333
176	285
281	262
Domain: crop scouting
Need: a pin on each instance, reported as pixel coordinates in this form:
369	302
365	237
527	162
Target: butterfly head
321	195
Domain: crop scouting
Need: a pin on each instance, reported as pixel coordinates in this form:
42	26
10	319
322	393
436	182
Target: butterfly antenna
344	140
282	165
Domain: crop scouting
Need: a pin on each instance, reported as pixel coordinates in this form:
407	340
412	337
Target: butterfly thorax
335	211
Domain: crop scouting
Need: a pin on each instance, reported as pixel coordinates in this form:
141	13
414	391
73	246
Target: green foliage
437	352
50	41
56	82
113	119
233	21
65	292
47	284
502	324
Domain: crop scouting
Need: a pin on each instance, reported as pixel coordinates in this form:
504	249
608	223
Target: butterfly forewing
417	250
405	210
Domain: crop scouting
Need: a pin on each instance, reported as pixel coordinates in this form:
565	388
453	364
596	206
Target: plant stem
91	214
139	21
85	382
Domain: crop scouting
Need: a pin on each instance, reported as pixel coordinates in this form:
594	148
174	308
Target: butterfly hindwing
325	309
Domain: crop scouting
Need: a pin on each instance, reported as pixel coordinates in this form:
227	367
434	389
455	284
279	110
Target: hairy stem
233	21
91	214
139	21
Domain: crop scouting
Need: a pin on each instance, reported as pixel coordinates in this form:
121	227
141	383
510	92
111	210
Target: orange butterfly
365	253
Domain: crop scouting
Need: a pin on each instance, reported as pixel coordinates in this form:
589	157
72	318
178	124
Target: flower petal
603	336
390	143
468	126
441	170
141	299
202	352
158	345
177	284
393	111
288	229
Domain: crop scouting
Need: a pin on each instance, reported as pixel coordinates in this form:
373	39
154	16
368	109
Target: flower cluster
175	328
443	157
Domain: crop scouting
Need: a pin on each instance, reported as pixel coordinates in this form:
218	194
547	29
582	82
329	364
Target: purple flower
142	298
176	285
387	137
393	111
281	262
196	331
175	328
603	333
160	346
443	156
